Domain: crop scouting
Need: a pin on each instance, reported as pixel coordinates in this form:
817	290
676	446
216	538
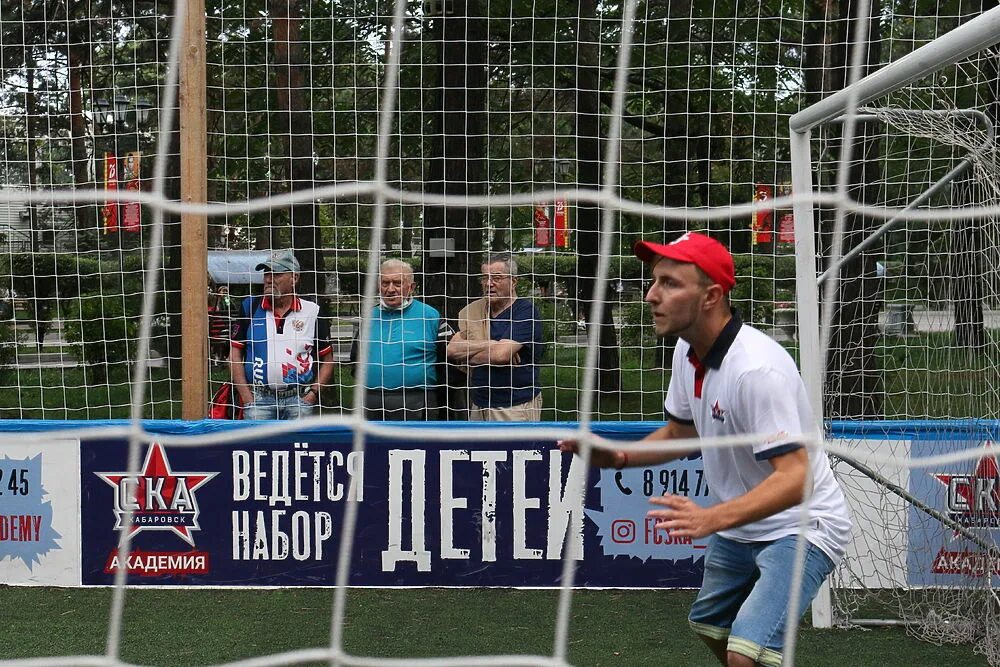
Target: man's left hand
683	517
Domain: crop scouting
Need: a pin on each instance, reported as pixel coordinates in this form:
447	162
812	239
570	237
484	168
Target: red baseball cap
706	253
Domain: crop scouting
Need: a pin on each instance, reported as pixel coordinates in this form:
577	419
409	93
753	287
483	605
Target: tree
854	380
292	123
455	114
588	155
967	234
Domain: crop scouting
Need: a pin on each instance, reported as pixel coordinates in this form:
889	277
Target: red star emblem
978	493
159	498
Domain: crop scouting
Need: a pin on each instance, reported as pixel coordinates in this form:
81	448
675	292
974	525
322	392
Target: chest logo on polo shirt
718	413
298	325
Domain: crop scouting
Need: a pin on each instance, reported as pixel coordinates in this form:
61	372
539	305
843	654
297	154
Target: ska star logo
718	413
158	497
974	499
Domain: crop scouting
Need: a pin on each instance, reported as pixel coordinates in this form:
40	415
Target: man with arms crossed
500	341
730	379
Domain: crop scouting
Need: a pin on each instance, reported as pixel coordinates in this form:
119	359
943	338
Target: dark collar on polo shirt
721	346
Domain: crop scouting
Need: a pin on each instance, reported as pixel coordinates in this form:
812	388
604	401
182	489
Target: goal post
933	123
969	38
192	125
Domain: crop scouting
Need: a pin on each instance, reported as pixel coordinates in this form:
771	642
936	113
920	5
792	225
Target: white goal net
441	132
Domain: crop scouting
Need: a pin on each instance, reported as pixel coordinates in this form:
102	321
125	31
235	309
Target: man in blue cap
280	357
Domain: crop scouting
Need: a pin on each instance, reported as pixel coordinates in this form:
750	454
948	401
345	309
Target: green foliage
762	281
637	325
543	266
47	281
104	319
46	277
557	319
350	273
706	119
105	326
8	346
542	269
926	376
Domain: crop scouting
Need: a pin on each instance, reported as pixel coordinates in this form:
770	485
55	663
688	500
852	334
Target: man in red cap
729	379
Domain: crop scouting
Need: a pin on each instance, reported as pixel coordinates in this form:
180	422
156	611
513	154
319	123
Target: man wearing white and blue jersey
280	356
405	350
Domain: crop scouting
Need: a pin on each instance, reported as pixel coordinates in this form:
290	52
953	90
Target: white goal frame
980	33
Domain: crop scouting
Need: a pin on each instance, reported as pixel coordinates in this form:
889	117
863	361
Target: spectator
407	344
280	357
500	341
219	324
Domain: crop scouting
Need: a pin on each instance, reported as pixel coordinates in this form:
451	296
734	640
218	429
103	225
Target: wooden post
194	227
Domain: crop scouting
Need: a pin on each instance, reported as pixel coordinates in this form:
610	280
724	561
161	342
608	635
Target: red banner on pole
111	185
131	210
786	228
542	227
561	220
761	225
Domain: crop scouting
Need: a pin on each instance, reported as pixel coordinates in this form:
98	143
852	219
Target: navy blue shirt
501	386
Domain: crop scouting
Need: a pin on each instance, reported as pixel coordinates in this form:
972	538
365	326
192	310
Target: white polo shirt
748	384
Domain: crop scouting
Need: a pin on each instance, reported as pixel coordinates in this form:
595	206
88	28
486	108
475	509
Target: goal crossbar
980	33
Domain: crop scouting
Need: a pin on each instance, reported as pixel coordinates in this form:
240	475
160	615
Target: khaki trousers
525	412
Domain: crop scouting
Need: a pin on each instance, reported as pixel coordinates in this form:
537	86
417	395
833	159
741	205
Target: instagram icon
623	531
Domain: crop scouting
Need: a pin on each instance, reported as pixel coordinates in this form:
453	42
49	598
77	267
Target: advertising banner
270	513
131	210
786	228
762	221
543	227
110	210
40	513
561	223
968	493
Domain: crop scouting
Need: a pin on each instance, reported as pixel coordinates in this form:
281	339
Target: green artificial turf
197	627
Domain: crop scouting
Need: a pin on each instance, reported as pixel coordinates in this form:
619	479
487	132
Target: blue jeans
744	595
272	407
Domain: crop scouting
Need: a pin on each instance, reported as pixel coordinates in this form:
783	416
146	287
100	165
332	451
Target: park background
494	98
282	129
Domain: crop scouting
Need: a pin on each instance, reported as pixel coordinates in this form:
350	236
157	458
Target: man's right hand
599	458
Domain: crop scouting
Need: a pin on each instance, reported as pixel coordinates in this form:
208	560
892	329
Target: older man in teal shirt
408	339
